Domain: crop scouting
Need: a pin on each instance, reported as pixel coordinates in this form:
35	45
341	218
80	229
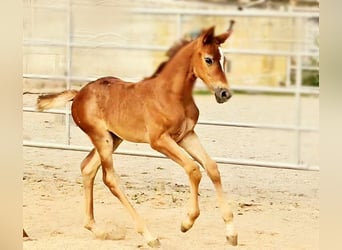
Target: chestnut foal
160	111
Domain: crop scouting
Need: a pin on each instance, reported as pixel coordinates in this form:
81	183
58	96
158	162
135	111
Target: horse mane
170	53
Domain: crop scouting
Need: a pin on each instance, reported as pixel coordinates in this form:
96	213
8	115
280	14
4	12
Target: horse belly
130	133
128	125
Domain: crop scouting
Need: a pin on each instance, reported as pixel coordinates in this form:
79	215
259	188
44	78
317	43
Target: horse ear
223	37
208	35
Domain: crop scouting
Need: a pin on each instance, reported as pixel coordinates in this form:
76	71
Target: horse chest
177	119
179	130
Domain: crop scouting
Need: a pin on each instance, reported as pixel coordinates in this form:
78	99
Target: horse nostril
225	94
222	95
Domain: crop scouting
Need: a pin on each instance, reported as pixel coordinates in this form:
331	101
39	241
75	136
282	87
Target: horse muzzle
222	95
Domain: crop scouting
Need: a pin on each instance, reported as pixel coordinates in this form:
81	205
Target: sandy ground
274	208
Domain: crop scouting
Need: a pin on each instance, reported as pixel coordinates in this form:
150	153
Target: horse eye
208	60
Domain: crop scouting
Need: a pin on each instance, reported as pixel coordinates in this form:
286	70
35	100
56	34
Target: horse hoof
232	240
154	243
185	226
184	229
25	234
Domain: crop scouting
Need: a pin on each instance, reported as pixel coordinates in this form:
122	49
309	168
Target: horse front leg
167	146
193	146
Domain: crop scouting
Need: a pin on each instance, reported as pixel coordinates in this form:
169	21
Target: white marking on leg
230	229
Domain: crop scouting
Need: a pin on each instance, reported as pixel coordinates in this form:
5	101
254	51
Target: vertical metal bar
68	65
298	107
288	72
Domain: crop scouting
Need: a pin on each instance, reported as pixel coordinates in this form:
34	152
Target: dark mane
170	53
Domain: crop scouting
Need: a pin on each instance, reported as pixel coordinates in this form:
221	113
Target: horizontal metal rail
28	42
258	126
308	68
199	12
210	123
59	77
285	90
257	89
220	160
226	13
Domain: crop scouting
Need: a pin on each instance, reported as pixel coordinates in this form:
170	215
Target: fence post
298	107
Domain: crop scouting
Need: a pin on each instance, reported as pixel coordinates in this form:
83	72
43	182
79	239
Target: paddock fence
295	58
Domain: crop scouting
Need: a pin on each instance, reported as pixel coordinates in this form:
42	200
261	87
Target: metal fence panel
297	90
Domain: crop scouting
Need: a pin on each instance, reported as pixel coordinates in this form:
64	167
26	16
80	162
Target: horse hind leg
105	144
89	168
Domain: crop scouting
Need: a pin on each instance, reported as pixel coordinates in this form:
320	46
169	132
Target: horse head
209	62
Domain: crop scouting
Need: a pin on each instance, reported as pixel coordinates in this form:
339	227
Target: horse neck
178	76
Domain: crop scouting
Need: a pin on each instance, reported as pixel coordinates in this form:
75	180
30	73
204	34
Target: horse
158	110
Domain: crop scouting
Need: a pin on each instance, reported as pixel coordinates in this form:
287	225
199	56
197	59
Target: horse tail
54	100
